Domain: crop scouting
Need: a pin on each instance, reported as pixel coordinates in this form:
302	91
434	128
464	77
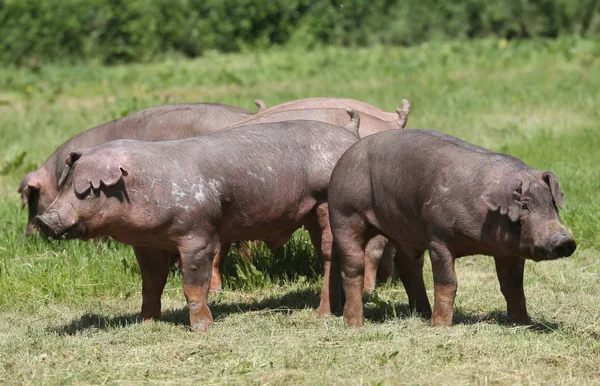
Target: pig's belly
271	222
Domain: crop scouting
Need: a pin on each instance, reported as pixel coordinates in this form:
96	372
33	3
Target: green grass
69	311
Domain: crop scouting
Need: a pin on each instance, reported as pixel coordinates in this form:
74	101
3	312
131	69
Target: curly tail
354	124
403	113
260	104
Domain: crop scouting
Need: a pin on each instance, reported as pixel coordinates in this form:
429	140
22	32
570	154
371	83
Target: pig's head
38	189
92	192
527	206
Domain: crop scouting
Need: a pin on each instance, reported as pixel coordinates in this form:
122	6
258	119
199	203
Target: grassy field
69	311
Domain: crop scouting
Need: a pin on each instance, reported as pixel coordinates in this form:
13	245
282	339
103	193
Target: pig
190	196
379	257
336	116
39	188
340	103
426	190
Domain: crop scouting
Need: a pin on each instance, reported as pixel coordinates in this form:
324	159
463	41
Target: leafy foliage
35	32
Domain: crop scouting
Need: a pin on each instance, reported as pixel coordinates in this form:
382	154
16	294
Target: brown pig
339	103
39	188
190	196
369	122
426	190
379	257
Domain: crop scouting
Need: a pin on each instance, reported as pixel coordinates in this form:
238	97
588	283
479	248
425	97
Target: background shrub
33	32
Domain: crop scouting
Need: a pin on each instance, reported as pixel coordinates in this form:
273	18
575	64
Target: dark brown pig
189	197
39	188
333	111
340	103
426	190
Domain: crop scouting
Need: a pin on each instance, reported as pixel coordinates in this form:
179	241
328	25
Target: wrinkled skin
190	197
454	199
342	103
333	111
39	188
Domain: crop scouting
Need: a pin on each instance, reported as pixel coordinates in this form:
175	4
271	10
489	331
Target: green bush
33	32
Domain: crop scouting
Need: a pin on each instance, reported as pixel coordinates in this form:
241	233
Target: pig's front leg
197	255
154	266
510	274
444	284
409	267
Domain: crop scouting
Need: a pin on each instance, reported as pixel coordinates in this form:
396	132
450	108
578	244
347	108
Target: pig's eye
524	207
88	194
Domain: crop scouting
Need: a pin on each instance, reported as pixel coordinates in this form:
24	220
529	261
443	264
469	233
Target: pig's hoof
441	323
151	316
520	320
324	313
354	322
201	326
425	314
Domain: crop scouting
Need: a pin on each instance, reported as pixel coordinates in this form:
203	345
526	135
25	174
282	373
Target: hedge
34	32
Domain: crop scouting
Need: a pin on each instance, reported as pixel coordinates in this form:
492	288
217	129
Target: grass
69	311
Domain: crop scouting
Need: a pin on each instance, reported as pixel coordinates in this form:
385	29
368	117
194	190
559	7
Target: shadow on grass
380	312
377	312
540	325
285	303
92	321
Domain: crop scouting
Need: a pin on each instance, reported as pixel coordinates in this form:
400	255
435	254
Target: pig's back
332	116
336	103
158	123
289	147
432	150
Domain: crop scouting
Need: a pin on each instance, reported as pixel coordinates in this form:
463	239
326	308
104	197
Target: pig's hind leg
322	239
154	266
444	284
349	242
197	256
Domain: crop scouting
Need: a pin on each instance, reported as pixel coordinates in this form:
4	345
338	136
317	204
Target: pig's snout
558	245
564	245
57	226
47	226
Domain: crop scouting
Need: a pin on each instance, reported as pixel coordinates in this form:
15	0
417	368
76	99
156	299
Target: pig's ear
71	159
557	194
101	170
505	195
29	184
